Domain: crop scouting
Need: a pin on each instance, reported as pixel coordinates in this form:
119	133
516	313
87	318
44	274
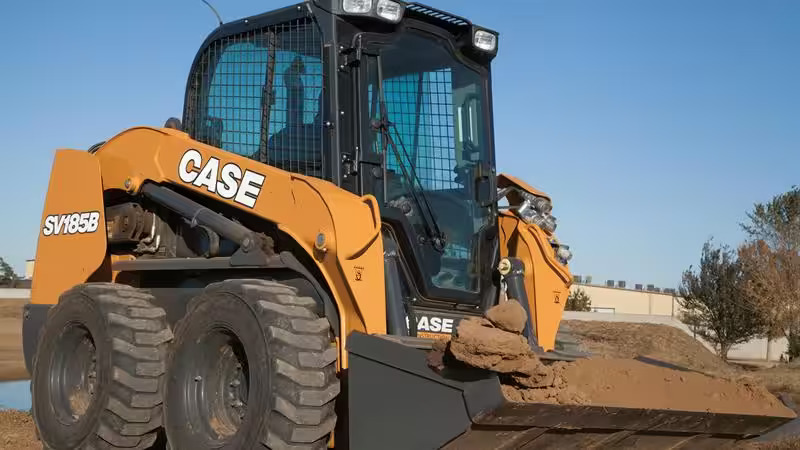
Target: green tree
714	303
7	274
578	300
771	262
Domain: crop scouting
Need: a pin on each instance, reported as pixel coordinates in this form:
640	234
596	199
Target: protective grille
421	107
259	94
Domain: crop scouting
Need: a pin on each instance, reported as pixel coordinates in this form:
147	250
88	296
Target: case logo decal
229	181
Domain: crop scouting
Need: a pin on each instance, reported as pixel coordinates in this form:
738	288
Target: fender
72	237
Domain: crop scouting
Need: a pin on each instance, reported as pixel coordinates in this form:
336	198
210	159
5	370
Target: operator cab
379	97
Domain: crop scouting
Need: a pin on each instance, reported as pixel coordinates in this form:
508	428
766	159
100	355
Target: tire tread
133	420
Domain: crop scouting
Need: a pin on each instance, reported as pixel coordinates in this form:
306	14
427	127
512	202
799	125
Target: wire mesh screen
260	94
421	107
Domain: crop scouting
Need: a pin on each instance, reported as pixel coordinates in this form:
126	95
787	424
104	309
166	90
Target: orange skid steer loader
267	271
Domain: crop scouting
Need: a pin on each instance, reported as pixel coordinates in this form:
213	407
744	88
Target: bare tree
776	222
714	303
773	287
770	259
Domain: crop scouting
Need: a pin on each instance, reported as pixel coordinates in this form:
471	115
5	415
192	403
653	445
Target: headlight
527	212
485	41
549	224
389	10
356	6
564	254
542	205
536	211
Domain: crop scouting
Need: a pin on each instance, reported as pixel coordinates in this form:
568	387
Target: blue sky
653	124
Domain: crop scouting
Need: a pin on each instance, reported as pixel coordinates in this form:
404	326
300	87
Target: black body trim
217	263
34	316
515	285
400	378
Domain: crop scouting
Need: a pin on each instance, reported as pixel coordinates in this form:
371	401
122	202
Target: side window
235	96
260	95
421	107
295	119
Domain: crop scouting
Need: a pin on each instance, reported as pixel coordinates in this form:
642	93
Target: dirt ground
16	431
12	364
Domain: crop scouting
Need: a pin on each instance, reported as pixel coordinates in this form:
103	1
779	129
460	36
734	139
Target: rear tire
98	370
253	366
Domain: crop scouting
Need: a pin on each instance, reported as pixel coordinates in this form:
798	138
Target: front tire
98	370
253	366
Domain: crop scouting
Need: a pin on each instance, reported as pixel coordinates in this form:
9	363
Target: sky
654	125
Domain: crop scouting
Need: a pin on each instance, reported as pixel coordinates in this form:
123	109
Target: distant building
615	298
29	269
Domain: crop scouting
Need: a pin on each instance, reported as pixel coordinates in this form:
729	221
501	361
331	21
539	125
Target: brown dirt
627	340
508	316
783	444
481	345
601	381
12	364
779	379
662	342
17	432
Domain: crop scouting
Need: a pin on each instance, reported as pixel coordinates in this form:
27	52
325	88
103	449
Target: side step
396	401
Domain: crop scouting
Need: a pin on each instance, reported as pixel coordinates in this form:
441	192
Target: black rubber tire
290	365
130	337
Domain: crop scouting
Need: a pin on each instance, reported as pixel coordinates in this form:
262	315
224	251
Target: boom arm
547	280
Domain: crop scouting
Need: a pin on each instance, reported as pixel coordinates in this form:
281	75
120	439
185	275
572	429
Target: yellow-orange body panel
65	255
547	281
303	207
506	180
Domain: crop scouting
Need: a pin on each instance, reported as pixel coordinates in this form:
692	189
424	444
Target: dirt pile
629	340
486	344
17	431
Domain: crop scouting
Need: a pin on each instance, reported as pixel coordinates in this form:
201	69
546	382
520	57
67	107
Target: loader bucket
396	401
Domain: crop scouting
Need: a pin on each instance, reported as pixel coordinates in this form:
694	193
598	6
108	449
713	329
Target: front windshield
436	106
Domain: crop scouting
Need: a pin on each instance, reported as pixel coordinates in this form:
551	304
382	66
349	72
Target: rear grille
259	94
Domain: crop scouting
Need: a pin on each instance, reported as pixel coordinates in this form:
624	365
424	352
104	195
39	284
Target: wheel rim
73	378
218	400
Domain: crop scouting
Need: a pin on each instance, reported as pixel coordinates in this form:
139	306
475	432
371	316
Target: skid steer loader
267	271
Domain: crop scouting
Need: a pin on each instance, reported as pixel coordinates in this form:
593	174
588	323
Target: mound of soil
629	340
17	431
603	381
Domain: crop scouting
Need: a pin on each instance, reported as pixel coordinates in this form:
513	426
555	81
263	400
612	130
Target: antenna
213	10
